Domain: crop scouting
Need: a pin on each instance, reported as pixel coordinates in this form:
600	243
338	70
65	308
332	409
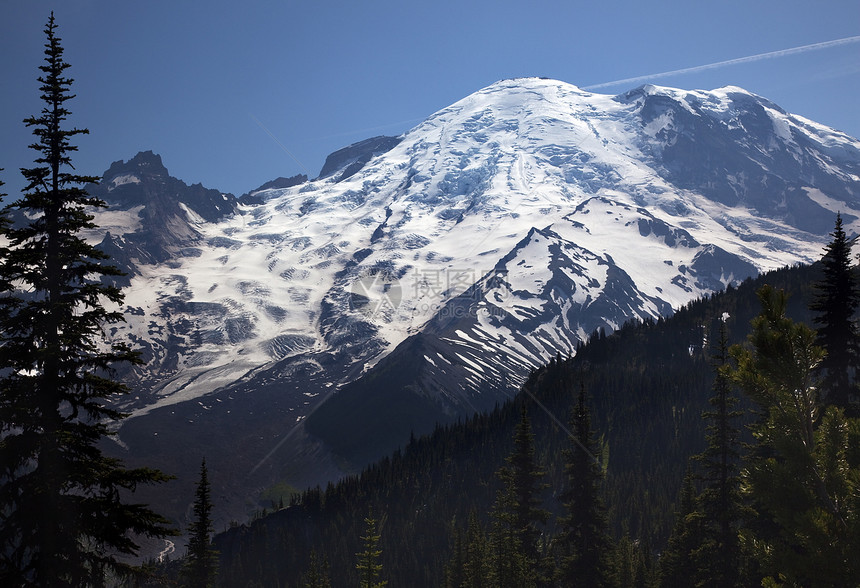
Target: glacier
499	232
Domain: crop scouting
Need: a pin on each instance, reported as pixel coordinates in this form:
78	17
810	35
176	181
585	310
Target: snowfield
545	211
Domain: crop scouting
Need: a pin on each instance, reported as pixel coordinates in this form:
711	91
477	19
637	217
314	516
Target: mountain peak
145	164
144	181
532	81
503	230
146	159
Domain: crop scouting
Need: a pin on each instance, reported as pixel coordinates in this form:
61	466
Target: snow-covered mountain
502	230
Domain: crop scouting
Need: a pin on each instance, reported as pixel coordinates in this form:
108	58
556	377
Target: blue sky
234	94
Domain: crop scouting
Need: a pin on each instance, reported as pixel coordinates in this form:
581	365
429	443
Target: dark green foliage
803	476
4	251
476	562
648	383
317	574
583	543
201	563
455	568
719	506
65	520
369	565
517	514
509	566
470	565
678	565
704	549
835	304
631	564
523	475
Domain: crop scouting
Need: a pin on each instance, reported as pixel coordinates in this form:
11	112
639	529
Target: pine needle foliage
66	521
803	477
526	474
584	541
317	573
201	565
678	566
719	503
369	564
836	301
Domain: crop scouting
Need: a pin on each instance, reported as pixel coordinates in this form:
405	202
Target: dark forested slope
648	383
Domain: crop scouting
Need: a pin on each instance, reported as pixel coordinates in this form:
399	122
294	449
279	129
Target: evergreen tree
629	564
677	565
525	476
719	502
476	559
804	478
317	574
5	286
509	565
517	512
201	564
584	540
65	522
456	563
369	564
836	302
469	565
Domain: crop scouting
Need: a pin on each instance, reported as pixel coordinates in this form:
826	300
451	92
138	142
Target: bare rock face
349	160
256	197
162	205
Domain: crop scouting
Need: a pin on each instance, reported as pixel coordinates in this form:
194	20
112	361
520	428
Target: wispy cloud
738	61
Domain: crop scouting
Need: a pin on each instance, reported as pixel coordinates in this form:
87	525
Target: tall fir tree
719	502
201	565
457	561
469	565
584	543
630	564
836	300
4	222
476	559
517	513
65	518
6	285
317	573
677	564
509	567
803	478
527	488
369	564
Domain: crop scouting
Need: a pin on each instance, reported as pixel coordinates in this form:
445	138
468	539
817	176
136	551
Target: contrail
739	60
281	145
377	128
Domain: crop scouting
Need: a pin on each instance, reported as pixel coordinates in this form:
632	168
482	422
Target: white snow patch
122	180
